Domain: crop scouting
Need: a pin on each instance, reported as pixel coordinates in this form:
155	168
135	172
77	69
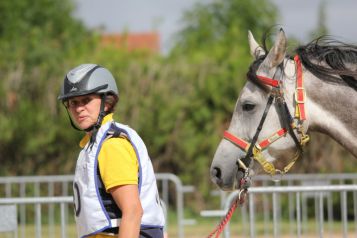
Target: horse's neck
332	110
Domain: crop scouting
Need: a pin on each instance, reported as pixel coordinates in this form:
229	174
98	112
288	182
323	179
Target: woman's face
84	110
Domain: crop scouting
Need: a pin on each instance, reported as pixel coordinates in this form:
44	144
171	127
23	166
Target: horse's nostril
216	173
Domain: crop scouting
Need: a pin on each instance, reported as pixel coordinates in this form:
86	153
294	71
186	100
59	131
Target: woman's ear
107	107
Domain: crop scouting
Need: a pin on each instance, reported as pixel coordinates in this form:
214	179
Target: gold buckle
267	166
304	139
303	96
257	148
242	164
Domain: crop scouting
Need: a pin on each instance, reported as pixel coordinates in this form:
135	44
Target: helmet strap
72	123
95	127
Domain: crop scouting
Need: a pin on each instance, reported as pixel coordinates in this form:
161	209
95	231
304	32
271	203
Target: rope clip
242	194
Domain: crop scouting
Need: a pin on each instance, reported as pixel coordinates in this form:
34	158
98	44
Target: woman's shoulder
117	142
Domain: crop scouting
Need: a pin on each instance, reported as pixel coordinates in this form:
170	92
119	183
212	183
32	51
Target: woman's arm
127	199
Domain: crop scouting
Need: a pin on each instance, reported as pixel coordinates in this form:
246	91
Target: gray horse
283	99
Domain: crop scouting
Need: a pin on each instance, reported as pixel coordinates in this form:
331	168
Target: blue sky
298	18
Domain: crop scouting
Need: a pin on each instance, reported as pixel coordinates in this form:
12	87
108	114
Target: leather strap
299	91
247	159
237	141
272	82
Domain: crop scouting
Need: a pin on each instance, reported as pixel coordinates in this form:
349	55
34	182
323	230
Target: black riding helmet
87	79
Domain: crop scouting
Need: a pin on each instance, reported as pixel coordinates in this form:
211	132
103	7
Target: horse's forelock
252	74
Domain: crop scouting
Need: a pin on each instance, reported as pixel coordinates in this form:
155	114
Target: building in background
149	41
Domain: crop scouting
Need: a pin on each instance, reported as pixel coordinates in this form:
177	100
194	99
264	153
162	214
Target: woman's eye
73	103
85	101
248	107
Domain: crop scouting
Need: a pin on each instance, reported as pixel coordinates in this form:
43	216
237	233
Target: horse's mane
324	57
328	59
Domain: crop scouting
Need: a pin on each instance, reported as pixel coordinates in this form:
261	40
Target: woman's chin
84	126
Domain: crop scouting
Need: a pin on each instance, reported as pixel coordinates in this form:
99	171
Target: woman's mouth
81	118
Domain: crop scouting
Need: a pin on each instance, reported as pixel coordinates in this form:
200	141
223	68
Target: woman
115	192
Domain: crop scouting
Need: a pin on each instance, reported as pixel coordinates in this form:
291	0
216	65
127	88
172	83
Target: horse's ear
275	56
255	49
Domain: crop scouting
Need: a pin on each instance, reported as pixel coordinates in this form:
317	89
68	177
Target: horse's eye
248	107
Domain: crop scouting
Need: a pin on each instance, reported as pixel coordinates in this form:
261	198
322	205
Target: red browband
269	81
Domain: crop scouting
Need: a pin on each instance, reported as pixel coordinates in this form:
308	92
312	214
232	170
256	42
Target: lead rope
239	200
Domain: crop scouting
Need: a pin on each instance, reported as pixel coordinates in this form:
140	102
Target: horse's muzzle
239	179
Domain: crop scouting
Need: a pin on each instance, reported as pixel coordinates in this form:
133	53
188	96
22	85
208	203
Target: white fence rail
272	207
57	189
297	218
295	179
38	202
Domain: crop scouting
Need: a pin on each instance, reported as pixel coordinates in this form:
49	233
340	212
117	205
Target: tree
37	41
213	48
179	105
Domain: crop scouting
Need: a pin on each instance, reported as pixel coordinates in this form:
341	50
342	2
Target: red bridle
299	114
262	145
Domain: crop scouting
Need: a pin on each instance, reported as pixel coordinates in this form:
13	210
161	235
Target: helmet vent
77	74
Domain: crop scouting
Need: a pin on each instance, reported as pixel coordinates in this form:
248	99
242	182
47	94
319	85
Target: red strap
265	143
269	81
299	93
235	140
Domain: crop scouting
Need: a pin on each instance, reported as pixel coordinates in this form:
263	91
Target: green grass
205	226
30	231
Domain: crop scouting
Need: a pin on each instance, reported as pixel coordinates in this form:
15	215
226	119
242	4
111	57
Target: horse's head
258	128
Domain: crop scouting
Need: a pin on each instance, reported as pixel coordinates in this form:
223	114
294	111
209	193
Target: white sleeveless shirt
90	214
